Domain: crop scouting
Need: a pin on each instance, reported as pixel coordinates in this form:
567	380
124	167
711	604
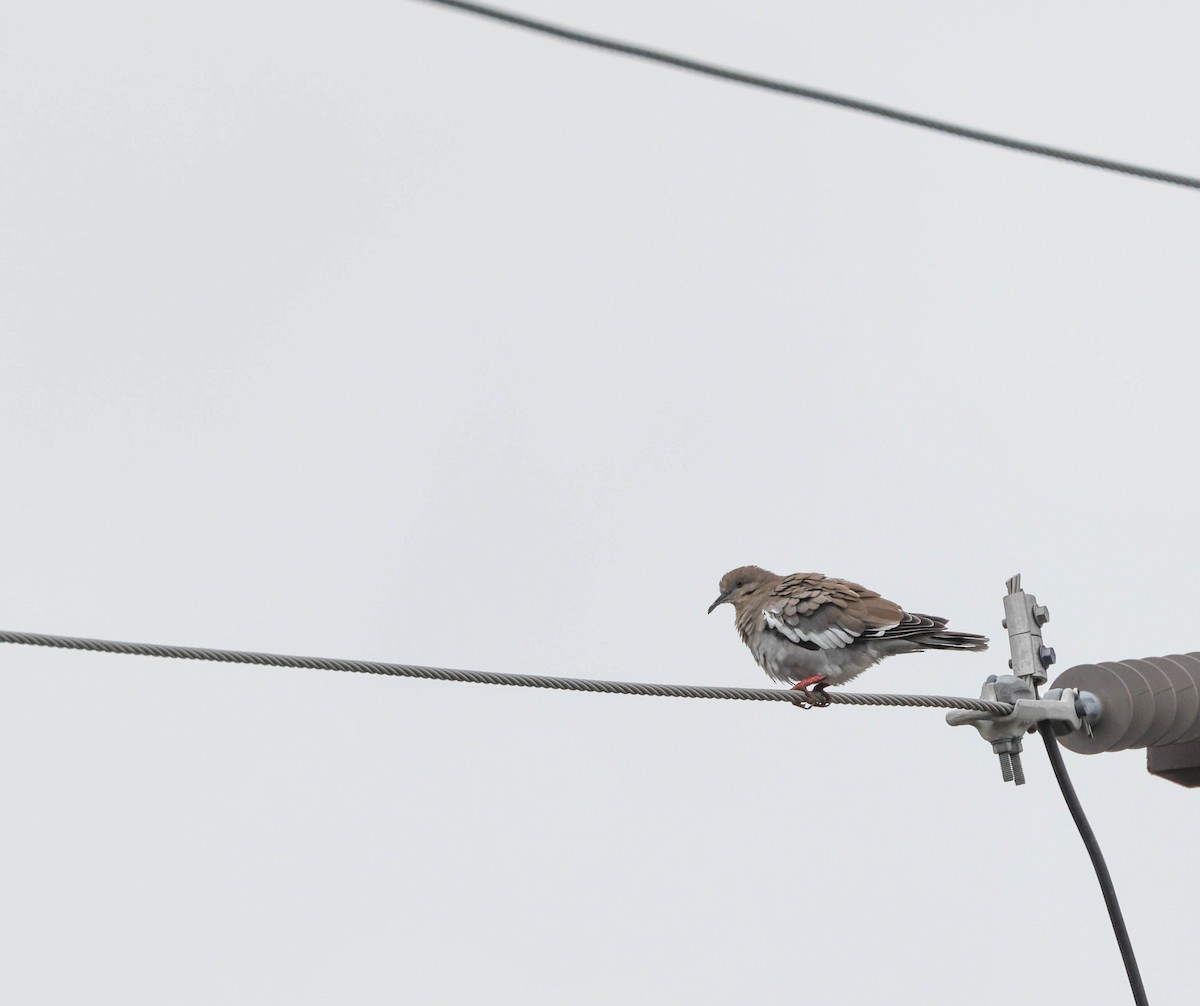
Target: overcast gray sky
376	330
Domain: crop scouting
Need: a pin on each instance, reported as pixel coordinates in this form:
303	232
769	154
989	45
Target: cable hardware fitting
1065	708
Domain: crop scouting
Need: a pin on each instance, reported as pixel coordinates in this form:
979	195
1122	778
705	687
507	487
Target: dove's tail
939	638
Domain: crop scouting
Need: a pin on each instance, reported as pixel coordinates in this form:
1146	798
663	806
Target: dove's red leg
816	679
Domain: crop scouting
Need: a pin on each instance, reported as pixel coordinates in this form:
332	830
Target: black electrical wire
1102	874
813	94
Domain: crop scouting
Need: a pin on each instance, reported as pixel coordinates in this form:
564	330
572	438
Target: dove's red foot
816	694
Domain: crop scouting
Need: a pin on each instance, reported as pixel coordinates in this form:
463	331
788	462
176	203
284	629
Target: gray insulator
1144	702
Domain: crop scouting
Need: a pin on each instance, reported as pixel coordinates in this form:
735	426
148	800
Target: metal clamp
1024	618
1066	708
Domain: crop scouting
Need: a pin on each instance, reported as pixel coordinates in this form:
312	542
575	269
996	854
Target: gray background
376	330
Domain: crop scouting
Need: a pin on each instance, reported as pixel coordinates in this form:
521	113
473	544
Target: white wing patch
832	638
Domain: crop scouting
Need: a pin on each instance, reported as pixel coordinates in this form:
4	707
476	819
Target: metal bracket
1066	708
1024	618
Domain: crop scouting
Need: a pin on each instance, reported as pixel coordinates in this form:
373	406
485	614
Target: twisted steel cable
495	678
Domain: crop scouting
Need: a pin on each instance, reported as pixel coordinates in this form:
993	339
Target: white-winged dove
810	629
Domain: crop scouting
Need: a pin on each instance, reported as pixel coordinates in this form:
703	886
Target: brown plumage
808	628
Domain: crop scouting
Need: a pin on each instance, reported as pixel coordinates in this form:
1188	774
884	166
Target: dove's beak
723	599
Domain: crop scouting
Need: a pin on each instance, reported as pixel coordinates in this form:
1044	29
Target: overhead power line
1024	619
814	94
495	678
1092	844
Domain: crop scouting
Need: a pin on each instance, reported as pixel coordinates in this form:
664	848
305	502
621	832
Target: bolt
1088	709
1047	655
1004	623
1041	614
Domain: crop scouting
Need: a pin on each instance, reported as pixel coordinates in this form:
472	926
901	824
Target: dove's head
740	583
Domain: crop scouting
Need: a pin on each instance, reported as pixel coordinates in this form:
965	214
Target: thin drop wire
496	678
815	94
1092	844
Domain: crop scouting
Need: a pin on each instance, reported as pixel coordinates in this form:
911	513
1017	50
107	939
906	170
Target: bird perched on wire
810	630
